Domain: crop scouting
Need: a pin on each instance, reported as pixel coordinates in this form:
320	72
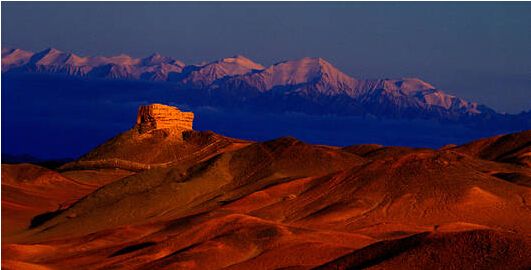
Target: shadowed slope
375	151
511	148
162	147
481	249
210	241
29	190
178	191
424	188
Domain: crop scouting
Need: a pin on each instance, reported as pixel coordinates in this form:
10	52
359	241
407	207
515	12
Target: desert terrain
165	196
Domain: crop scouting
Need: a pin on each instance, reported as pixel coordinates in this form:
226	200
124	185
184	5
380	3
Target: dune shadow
40	219
376	253
132	248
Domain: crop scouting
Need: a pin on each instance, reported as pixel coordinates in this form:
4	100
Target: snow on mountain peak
205	75
308	70
51	50
14	58
242	61
49	56
306	77
157	59
408	85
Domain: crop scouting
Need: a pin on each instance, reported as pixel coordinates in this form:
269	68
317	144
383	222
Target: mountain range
308	85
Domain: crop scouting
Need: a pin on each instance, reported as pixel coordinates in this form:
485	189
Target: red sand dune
198	200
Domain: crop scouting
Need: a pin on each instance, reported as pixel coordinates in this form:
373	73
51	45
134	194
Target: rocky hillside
161	137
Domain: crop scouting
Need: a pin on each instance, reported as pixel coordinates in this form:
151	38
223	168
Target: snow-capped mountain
199	76
316	81
12	58
306	85
154	67
299	74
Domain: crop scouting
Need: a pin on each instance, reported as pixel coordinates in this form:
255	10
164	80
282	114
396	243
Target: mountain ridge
309	85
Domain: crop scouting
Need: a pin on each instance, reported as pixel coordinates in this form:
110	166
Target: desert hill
175	191
278	204
510	148
29	191
162	136
455	250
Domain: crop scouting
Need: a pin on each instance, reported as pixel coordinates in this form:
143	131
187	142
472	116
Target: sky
477	51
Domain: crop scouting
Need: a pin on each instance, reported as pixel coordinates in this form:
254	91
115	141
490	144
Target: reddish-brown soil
204	201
